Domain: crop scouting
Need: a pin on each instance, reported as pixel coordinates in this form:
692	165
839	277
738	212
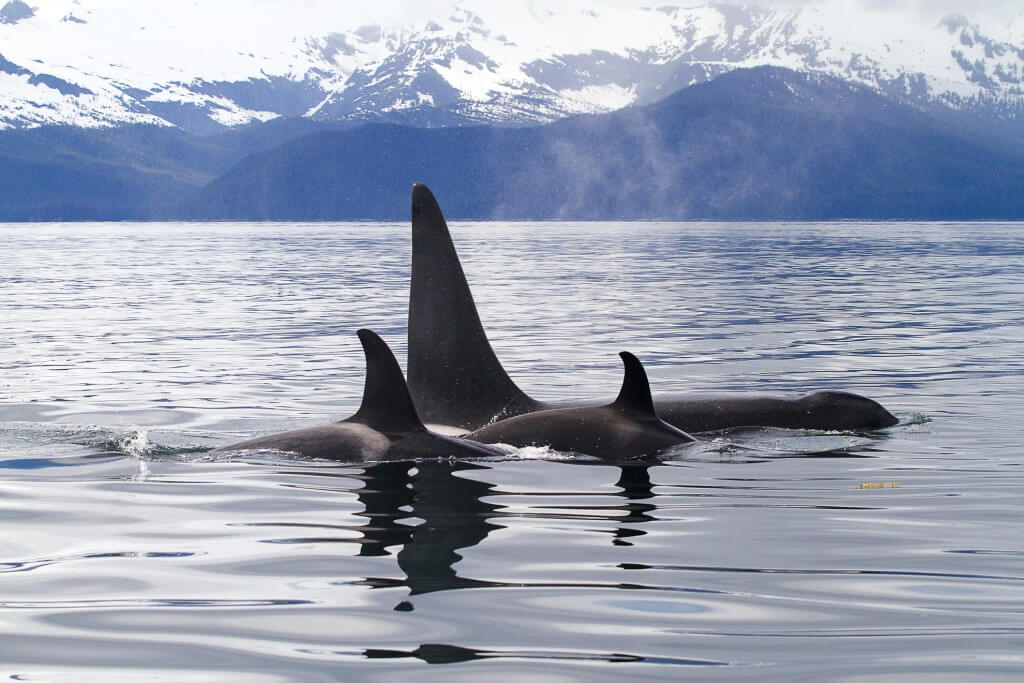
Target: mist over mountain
758	143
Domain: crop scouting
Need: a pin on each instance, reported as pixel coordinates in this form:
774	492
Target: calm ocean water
127	351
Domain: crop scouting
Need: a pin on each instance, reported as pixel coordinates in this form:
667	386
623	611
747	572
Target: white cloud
999	10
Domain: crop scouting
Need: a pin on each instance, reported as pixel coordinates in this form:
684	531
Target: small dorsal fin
386	406
635	395
454	374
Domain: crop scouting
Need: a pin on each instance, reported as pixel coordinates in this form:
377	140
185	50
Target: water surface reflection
129	553
424	513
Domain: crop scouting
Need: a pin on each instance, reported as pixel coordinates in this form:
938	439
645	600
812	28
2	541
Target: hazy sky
1001	11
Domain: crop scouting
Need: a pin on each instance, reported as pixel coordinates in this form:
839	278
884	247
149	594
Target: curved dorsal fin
386	406
635	395
453	372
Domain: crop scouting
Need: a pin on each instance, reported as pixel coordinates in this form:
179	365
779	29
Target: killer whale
626	428
457	380
386	426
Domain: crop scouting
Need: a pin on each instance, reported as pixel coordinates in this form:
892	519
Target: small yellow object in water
881	485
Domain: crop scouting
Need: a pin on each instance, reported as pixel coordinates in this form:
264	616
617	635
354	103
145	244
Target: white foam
135	443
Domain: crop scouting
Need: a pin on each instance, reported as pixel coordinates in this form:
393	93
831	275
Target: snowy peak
989	64
114	62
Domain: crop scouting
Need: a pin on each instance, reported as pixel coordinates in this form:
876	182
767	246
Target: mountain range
753	143
518	110
206	66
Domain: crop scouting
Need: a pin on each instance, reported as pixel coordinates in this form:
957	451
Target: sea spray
136	444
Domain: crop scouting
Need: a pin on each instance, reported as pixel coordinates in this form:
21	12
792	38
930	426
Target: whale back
454	375
387	405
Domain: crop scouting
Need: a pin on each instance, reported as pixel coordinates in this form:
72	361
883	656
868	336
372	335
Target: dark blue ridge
761	144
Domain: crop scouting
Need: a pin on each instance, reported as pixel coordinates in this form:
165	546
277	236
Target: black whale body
625	429
456	379
386	426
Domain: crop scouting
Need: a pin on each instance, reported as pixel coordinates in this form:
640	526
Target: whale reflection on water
457	514
428	513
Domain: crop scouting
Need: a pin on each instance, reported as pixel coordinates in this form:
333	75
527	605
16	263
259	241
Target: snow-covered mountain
204	65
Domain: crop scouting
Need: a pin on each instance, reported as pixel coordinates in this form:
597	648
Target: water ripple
131	552
147	603
855	572
30	565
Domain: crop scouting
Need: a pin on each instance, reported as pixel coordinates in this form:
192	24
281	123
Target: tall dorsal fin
635	395
386	406
453	372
